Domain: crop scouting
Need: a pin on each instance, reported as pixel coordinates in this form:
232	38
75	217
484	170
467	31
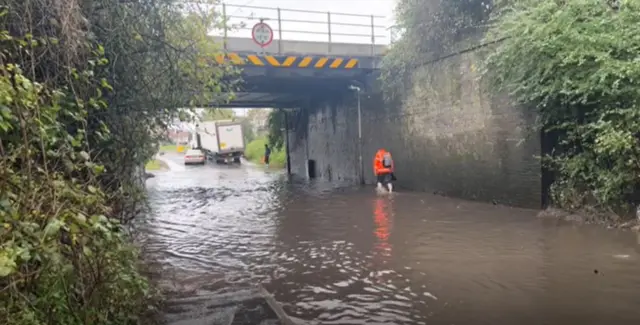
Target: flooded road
348	256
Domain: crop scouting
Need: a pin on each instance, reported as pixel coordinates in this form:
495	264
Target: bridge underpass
311	75
292	81
303	82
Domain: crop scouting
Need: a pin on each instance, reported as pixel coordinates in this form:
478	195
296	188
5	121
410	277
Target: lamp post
357	90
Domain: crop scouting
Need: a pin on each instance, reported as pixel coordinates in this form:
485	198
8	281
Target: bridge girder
282	81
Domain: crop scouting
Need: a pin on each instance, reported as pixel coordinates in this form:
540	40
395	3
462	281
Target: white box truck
222	141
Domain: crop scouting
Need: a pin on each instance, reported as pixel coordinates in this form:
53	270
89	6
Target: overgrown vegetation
577	63
217	114
276	127
430	29
574	62
274	137
247	130
255	153
85	90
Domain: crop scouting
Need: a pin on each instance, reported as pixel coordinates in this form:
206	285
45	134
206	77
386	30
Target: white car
194	156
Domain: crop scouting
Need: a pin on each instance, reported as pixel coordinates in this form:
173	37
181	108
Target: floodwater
349	256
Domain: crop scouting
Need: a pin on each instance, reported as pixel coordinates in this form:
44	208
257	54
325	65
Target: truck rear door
208	137
231	137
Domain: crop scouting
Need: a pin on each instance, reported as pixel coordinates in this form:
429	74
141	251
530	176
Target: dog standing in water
383	168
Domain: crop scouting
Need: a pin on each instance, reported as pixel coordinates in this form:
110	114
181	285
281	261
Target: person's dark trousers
385	178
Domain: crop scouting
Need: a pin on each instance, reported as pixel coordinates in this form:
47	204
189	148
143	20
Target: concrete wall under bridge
449	136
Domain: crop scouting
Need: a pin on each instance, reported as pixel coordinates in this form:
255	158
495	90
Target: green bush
576	63
278	159
99	82
255	152
430	30
62	260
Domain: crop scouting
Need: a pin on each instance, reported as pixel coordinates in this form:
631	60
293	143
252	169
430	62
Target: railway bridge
282	72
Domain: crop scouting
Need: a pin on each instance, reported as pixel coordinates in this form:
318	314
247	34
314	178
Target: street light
357	90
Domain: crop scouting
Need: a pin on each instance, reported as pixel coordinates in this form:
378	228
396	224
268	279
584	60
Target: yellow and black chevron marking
317	62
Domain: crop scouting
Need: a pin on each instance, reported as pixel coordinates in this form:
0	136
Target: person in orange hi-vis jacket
383	168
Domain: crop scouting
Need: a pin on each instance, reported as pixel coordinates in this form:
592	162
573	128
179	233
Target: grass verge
168	148
255	152
156	165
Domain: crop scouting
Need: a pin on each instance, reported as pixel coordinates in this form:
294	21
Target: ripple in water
350	257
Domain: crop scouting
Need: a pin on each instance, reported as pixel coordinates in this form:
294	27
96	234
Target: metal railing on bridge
329	25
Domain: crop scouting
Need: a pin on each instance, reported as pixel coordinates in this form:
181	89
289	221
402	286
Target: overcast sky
382	8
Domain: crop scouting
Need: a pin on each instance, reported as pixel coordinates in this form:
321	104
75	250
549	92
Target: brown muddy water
349	256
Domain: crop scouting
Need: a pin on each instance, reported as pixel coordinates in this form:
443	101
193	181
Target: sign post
262	34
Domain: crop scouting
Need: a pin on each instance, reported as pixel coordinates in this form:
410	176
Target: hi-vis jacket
378	167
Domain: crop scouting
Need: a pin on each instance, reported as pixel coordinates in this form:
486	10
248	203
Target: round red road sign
262	34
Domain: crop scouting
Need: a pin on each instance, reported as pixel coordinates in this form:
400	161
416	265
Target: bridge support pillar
286	141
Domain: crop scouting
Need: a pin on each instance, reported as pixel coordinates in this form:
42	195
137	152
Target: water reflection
383	214
348	256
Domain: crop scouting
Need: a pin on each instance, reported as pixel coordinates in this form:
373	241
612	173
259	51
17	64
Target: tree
259	118
170	63
276	128
247	129
87	89
259	113
217	114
